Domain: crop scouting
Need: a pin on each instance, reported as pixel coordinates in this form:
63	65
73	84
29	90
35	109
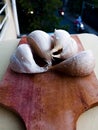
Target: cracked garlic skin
41	42
81	64
64	42
22	61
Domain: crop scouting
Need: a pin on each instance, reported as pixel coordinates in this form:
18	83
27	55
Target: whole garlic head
22	61
60	52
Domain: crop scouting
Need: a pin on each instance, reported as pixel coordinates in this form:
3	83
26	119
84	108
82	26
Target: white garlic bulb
61	46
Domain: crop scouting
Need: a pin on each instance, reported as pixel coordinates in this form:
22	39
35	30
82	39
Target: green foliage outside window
38	14
95	3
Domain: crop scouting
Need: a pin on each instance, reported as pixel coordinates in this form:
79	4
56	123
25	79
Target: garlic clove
60	37
64	45
41	42
69	50
81	64
22	61
61	33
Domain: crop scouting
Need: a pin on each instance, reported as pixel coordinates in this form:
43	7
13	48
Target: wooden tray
51	100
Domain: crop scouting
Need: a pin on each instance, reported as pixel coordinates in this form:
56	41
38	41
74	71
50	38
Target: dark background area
90	17
46	17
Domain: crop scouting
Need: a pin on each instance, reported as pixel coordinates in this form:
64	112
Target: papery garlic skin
41	42
81	64
22	61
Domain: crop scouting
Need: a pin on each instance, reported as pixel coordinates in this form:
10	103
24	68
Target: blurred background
50	14
46	15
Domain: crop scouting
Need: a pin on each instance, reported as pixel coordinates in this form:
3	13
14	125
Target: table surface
87	121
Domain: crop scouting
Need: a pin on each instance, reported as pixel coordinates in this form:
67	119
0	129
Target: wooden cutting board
51	100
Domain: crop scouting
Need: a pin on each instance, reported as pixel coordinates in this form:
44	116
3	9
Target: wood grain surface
50	100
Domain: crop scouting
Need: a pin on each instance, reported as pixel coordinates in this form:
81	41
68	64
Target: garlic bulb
41	43
81	64
65	46
22	61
